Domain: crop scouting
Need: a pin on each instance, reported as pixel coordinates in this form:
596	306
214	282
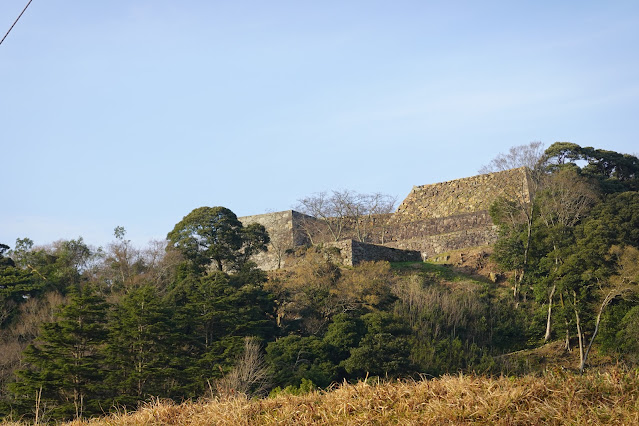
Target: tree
562	153
528	155
281	242
121	259
625	281
211	315
255	238
515	213
16	285
385	348
367	214
65	368
306	294
614	171
346	214
138	349
250	375
294	358
590	275
329	209
215	235
563	203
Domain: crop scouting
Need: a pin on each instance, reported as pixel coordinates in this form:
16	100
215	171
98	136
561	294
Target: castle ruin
432	219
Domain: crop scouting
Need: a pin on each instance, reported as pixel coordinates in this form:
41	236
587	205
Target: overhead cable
16	21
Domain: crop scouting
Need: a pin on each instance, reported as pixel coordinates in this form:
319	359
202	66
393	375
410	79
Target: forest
85	330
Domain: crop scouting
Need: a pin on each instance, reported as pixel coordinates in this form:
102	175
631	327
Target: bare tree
250	376
346	212
331	210
530	155
281	241
366	212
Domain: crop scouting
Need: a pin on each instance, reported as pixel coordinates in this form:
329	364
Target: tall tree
565	201
64	369
515	212
588	273
215	235
138	349
614	171
213	314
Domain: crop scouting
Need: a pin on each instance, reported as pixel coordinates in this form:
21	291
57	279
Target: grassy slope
610	397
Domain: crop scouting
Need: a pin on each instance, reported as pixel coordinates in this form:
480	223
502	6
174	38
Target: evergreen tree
217	311
139	347
214	236
295	359
64	369
385	348
16	285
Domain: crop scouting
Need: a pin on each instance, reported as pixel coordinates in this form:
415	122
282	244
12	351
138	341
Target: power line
16	21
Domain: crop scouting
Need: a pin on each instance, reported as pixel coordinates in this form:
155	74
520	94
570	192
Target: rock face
432	219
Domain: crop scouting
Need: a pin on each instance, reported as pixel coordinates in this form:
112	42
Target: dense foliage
574	250
84	330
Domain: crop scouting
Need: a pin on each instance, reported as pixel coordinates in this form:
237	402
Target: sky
133	113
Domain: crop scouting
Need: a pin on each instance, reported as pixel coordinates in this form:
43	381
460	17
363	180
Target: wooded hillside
85	330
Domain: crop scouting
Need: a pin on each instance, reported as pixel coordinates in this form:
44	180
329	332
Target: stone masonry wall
432	219
353	252
280	230
431	245
404	230
286	232
462	196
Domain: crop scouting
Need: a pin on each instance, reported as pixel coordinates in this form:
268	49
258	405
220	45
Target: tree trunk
566	322
548	319
550	300
609	297
582	359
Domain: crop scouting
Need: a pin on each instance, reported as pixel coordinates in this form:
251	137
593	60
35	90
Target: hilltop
398	295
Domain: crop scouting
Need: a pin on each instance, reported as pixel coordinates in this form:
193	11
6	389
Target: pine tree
64	368
213	314
138	347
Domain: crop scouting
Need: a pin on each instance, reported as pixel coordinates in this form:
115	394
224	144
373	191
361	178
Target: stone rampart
432	219
353	252
462	196
286	232
432	245
405	230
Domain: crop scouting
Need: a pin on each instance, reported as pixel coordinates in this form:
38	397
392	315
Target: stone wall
285	232
432	219
353	252
462	196
431	245
404	230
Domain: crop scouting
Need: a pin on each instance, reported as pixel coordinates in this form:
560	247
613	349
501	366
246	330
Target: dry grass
610	397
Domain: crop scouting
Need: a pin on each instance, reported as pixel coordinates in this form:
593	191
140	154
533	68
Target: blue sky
133	113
